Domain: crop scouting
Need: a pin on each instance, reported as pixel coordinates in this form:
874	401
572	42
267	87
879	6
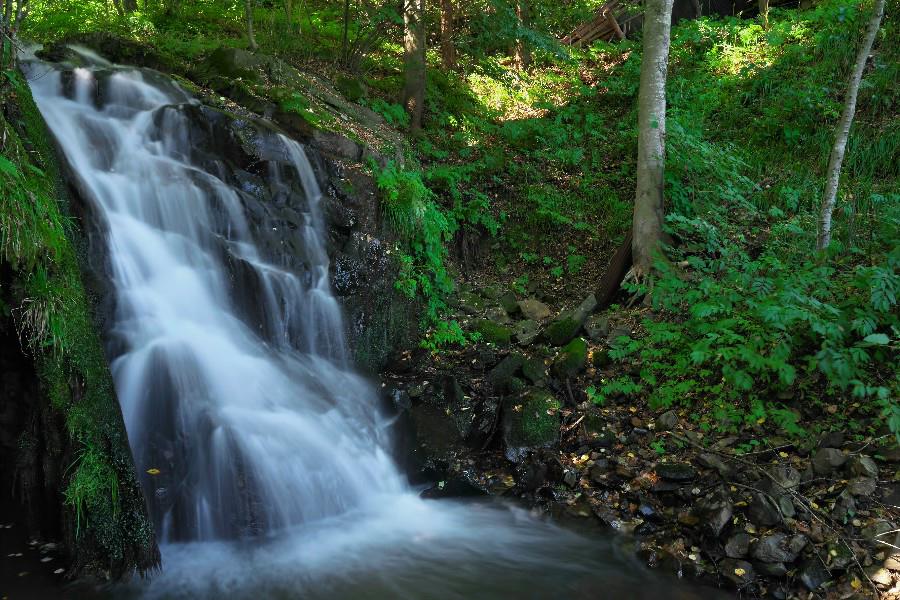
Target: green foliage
424	230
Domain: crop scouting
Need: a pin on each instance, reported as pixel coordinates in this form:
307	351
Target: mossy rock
571	359
535	370
352	89
470	303
500	378
235	63
530	420
562	330
509	303
493	333
601	359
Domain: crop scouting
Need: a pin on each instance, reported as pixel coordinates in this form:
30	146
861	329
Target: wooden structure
604	26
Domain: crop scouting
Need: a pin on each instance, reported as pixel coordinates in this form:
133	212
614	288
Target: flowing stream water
265	459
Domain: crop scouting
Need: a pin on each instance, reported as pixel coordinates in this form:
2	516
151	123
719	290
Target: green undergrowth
49	306
750	323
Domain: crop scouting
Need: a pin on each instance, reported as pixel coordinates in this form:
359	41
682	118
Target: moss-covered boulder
493	333
352	88
568	323
75	453
530	420
571	359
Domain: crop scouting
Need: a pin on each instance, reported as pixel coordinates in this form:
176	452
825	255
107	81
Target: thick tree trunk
843	131
522	53
248	14
448	50
648	203
414	62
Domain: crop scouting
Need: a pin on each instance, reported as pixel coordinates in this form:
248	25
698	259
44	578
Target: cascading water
243	413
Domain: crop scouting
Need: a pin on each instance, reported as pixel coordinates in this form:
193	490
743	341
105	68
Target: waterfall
263	457
236	426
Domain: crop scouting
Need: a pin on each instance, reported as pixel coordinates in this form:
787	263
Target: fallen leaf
154	471
740	572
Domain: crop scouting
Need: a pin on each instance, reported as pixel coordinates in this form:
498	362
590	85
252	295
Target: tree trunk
448	50
345	57
129	5
648	203
522	53
289	14
843	130
414	62
248	14
764	13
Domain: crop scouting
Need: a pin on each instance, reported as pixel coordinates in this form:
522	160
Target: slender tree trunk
129	5
414	62
764	13
448	49
522	53
248	14
648	203
843	130
289	14
345	34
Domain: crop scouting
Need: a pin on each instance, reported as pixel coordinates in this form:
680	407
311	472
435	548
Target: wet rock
567	325
784	478
813	573
500	377
712	461
862	486
571	359
597	328
779	548
862	466
827	460
762	511
738	545
877	531
832	439
777	569
786	506
534	309
530	420
667	421
570	478
844	506
738	572
454	487
716	514
676	471
493	333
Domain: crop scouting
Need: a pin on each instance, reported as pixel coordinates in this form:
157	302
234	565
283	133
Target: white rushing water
263	456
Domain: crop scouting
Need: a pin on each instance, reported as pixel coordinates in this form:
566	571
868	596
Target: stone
535	370
786	506
784	478
827	460
568	323
500	377
676	471
771	569
570	478
667	421
862	466
526	331
716	514
497	315
832	439
508	303
235	63
813	573
762	511
530	420
571	359
877	531
598	471
779	548
494	333
892	562
534	309
738	572
491	292
470	303
862	486
712	461
738	545
597	328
